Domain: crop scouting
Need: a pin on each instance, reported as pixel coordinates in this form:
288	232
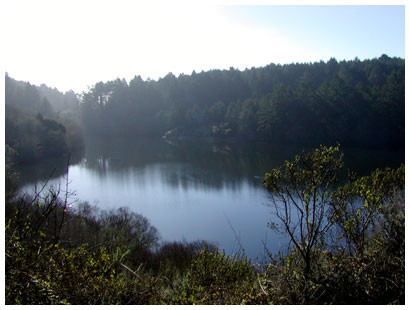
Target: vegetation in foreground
346	247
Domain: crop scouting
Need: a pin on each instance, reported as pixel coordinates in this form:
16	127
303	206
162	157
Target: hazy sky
74	44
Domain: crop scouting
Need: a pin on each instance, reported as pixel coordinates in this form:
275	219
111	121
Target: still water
203	190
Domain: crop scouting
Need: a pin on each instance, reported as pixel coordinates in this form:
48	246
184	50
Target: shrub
215	278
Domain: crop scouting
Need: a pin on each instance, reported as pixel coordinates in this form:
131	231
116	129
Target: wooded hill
355	103
351	102
40	122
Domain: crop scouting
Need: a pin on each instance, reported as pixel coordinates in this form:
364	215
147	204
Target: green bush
347	242
215	278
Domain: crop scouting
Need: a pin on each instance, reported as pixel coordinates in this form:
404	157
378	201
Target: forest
355	103
346	240
350	102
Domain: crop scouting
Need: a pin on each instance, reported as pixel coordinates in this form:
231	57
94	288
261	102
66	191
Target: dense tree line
352	102
40	122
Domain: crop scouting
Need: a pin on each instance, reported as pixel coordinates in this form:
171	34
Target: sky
75	44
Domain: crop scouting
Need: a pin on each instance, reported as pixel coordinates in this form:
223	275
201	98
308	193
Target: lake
206	190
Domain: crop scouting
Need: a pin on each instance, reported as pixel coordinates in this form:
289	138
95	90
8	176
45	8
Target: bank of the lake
192	190
58	253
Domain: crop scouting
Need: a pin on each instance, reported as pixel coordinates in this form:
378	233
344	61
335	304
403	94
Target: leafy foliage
301	194
360	204
215	278
365	262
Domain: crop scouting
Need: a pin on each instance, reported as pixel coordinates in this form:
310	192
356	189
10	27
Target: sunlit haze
73	45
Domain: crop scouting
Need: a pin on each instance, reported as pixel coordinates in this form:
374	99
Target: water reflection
212	165
30	173
193	190
185	163
188	163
